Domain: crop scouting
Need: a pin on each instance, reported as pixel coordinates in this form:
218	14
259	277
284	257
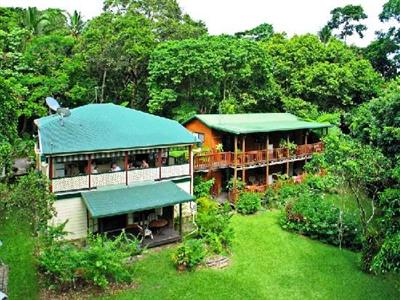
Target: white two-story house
115	168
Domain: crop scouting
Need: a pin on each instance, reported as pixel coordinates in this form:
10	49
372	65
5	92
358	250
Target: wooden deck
165	236
254	159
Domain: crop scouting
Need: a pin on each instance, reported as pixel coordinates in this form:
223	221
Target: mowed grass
267	263
17	252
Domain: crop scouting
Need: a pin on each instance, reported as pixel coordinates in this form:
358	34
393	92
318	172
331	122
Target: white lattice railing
98	180
143	175
117	178
70	183
174	171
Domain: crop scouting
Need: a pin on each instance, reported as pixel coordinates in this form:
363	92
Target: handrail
215	160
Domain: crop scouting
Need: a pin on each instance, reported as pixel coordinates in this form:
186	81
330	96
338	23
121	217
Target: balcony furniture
143	232
158	225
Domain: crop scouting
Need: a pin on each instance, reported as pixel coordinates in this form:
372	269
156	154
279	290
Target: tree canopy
210	74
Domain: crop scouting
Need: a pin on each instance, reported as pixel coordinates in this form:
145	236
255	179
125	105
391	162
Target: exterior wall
211	139
217	187
73	210
189	208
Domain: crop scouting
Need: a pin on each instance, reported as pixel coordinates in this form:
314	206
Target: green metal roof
123	200
256	122
107	127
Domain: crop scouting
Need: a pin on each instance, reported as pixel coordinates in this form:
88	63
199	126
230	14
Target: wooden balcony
218	160
85	182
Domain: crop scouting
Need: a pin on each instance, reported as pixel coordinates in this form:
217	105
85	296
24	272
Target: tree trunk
103	85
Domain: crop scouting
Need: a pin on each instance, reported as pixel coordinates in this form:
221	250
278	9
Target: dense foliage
202	187
100	262
310	214
377	121
248	203
30	194
189	254
214	227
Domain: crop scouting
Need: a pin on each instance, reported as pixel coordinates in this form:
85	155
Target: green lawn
267	263
17	252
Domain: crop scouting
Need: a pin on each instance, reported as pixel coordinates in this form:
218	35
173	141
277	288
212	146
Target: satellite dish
52	103
62	112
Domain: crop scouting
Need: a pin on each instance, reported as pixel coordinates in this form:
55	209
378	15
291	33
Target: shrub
215	229
286	192
388	258
205	204
248	203
326	183
32	196
189	254
202	187
240	184
102	261
312	216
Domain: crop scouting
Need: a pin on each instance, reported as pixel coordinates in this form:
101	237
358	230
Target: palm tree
76	23
35	21
325	34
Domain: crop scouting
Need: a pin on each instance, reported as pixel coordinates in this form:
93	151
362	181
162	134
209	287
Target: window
200	136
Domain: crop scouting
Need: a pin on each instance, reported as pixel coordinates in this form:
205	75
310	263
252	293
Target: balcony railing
250	158
83	182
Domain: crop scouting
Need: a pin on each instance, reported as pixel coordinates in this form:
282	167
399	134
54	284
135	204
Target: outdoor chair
143	232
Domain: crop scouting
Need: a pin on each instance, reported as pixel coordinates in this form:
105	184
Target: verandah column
89	168
159	162
267	162
243	158
305	143
288	155
51	173
126	167
191	169
235	163
180	219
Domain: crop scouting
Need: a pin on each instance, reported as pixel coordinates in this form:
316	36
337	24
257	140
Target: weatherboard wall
73	210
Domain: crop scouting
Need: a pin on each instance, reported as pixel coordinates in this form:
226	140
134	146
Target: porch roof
123	200
108	127
256	122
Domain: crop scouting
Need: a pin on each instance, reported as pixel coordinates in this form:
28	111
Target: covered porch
146	211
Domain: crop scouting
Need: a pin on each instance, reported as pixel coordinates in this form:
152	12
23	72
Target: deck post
235	163
87	221
89	168
180	219
305	143
159	162
51	173
126	167
267	162
191	169
288	156
243	158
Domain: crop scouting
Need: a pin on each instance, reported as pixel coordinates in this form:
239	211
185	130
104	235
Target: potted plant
289	147
232	192
219	147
